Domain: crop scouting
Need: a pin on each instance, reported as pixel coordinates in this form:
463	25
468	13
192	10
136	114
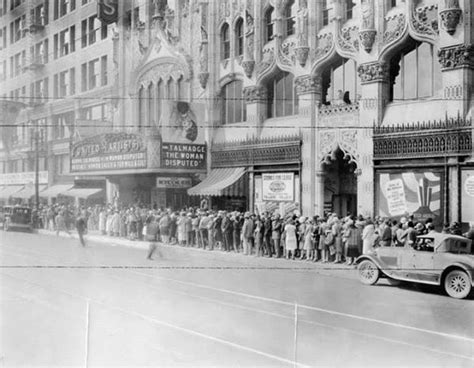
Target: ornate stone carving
248	66
287	52
302	53
458	56
324	45
348	39
162	71
203	78
373	72
450	16
367	13
344	139
307	84
267	60
394	27
367	39
424	20
253	94
302	25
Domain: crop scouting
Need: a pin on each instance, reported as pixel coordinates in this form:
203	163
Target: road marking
166	324
342	314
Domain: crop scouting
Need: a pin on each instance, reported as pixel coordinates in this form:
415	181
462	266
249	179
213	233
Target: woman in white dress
290	239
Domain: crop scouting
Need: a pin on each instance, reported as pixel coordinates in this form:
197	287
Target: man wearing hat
247	233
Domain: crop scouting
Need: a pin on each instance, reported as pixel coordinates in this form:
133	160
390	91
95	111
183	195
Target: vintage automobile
435	259
16	217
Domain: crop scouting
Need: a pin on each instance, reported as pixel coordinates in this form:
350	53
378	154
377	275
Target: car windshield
424	244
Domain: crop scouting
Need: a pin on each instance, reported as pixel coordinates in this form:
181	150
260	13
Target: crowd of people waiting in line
329	239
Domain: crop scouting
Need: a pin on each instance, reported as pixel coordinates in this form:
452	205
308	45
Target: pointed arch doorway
340	183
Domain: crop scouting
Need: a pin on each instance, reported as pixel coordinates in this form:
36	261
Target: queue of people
318	239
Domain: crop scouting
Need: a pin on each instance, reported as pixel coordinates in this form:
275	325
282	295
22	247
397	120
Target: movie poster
418	193
467	195
182	122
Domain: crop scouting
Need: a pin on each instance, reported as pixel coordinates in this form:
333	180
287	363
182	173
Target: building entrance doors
340	184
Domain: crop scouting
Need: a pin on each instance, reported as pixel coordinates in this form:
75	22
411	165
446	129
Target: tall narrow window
233	109
349	7
281	96
159	93
141	107
289	18
239	37
325	13
151	104
340	82
269	23
225	42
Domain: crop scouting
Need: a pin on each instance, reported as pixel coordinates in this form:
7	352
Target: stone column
255	98
308	89
319	191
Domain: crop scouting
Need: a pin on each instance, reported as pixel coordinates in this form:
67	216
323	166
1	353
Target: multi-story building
56	64
357	106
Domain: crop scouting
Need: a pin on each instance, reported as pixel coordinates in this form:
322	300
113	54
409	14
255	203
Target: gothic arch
332	140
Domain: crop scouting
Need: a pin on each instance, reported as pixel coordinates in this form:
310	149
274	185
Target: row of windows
150	99
61	164
93	75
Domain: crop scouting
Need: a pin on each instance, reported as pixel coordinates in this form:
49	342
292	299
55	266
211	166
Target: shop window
239	37
289	18
234	109
414	72
269	24
225	42
282	99
340	83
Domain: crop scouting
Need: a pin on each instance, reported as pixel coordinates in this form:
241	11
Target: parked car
16	217
436	259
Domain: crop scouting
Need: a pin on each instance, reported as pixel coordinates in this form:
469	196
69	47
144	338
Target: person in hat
290	239
247	233
276	234
81	226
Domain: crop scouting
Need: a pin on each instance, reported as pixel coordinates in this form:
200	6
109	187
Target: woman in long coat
308	246
290	239
353	238
368	237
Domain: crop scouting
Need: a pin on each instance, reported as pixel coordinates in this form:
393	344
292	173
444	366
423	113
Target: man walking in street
81	226
152	228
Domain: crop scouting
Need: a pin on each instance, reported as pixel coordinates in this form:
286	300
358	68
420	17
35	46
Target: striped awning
8	191
27	192
55	190
81	192
221	182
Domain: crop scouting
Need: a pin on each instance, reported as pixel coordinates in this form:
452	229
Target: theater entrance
340	184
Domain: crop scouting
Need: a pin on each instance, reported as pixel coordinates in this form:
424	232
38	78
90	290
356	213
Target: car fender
370	258
460	265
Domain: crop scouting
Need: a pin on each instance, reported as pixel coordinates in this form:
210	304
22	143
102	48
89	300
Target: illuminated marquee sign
183	156
107	11
114	151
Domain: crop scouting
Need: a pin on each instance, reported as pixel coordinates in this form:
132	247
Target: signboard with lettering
467	195
23	178
183	156
113	151
278	187
175	183
107	11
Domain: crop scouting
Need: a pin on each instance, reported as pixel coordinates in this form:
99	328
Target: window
325	13
171	90
103	70
183	89
62	7
281	96
159	96
39	52
289	18
225	42
65	83
3	9
62	164
39	14
3	70
39	91
393	3
268	18
16	64
151	103
97	112
3	37
239	37
414	72
349	7
141	107
93	73
64	44
89	29
17	29
233	110
16	3
340	83
61	124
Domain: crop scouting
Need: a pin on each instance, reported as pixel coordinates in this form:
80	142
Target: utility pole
37	137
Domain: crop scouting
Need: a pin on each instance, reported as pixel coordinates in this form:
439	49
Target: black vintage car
15	217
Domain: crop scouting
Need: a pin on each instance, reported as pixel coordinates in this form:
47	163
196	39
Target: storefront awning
221	182
8	191
27	192
55	190
81	192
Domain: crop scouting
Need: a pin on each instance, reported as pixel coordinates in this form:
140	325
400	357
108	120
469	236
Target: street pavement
106	305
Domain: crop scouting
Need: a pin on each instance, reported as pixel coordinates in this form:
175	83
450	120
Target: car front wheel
368	272
457	284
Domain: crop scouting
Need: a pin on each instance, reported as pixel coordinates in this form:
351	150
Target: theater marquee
113	151
183	156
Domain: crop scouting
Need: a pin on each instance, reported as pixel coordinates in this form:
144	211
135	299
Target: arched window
281	96
268	18
141	107
239	37
159	94
414	72
289	18
233	109
225	42
340	83
183	89
171	90
325	12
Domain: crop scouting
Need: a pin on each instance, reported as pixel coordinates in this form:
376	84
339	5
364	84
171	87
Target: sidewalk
95	236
